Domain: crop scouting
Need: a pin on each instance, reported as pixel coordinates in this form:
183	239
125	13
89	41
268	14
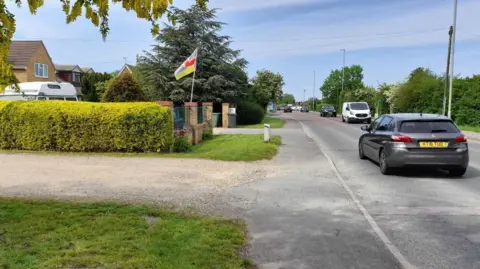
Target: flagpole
193	84
193	79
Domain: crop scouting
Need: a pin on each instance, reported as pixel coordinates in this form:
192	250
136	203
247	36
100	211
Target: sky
301	39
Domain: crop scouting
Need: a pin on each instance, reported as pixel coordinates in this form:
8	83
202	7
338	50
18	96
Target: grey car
398	140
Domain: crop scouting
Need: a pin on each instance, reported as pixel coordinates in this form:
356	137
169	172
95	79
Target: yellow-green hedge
83	126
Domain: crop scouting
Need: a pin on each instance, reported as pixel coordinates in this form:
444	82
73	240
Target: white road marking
390	246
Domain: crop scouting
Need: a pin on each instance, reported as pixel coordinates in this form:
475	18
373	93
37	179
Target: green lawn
233	148
274	123
470	128
41	234
221	147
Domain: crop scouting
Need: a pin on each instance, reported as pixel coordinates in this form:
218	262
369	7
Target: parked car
356	112
328	111
304	109
288	109
399	140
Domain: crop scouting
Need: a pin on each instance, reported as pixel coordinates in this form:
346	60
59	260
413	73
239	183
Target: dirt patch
185	182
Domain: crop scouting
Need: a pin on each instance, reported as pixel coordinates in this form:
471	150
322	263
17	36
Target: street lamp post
455	3
343	77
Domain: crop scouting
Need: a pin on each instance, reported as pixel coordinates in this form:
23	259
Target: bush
124	89
207	134
82	126
249	113
180	143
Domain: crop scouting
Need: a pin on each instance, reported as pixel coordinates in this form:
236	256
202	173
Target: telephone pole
455	4
447	75
343	77
313	92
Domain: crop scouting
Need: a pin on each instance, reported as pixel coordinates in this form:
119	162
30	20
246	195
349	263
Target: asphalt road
432	219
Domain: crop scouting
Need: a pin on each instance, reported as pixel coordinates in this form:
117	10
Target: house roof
67	67
129	67
86	69
22	51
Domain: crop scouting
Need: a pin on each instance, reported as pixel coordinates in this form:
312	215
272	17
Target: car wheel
384	167
457	172
361	154
343	119
348	120
369	121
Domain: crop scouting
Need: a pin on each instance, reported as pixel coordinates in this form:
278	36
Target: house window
41	70
76	77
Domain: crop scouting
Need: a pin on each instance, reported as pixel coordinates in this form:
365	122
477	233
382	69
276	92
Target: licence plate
431	144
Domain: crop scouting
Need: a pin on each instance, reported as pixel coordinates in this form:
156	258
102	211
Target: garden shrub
249	113
181	143
207	134
82	126
123	89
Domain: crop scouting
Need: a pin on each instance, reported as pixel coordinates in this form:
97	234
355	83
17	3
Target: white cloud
300	38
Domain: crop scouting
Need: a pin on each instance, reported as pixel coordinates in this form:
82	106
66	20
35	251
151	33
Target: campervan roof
42	88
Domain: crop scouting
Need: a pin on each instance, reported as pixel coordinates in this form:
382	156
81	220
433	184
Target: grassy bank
234	148
274	123
470	128
221	147
72	235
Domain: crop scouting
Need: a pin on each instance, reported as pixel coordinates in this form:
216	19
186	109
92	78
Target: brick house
72	74
31	61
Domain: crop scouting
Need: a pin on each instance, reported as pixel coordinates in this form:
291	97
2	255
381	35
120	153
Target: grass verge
44	234
274	123
470	128
221	147
234	148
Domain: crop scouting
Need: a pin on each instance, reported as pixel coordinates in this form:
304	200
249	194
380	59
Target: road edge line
373	224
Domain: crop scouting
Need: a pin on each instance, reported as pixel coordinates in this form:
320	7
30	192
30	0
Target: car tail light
461	139
401	138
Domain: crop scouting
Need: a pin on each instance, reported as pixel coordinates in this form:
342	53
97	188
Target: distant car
287	109
328	111
304	109
399	140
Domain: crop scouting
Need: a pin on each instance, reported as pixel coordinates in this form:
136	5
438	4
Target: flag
187	67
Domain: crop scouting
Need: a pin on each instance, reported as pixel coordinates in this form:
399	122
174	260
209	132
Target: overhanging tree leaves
266	87
97	11
220	73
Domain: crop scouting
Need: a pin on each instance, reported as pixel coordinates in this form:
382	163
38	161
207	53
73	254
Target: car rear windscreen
428	127
358	106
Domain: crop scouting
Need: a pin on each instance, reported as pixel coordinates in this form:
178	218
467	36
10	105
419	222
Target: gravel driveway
184	182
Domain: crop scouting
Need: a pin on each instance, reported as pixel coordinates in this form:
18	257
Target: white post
266	133
453	59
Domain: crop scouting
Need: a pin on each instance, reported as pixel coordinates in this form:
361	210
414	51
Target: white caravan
356	112
40	91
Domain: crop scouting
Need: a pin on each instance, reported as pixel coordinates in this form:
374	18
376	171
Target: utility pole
343	78
453	58
304	91
447	75
313	93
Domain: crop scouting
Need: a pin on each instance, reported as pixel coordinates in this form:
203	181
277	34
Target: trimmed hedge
83	126
249	113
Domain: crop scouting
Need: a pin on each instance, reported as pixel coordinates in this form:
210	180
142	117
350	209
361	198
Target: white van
40	91
356	112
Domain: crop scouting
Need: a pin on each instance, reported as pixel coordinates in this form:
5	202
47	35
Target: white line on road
391	247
